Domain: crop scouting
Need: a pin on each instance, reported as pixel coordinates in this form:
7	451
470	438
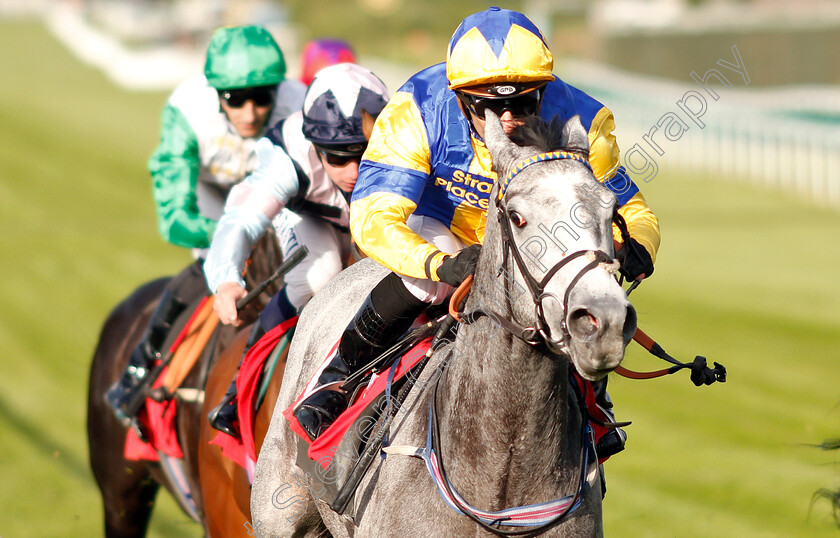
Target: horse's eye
517	219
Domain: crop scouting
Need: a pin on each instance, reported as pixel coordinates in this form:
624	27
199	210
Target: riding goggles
341	155
519	100
260	95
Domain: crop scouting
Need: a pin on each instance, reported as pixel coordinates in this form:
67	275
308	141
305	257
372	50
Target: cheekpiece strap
549	156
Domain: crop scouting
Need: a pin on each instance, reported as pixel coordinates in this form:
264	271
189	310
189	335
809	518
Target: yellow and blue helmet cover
497	45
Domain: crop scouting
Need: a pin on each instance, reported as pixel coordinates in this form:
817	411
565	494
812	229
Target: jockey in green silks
210	127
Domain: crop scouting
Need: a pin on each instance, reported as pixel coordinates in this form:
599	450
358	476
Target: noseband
540	330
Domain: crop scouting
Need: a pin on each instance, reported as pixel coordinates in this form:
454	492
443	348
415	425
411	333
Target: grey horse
509	424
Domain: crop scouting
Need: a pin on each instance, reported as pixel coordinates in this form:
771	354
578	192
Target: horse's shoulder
348	288
143	296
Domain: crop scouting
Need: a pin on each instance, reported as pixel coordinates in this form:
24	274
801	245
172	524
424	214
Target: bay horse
496	414
129	488
226	486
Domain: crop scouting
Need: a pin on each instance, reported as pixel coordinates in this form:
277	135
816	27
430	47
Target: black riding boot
613	441
385	315
125	397
223	417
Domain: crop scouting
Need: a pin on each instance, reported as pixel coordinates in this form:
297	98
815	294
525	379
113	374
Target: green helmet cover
243	57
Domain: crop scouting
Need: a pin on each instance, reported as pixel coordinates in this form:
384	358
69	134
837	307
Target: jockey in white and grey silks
210	126
421	201
308	165
290	175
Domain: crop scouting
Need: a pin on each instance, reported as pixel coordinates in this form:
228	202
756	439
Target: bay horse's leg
128	488
225	487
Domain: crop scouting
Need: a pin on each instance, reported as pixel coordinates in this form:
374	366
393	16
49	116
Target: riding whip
287	265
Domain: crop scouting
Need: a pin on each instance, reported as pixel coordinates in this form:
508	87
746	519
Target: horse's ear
367	123
501	148
574	135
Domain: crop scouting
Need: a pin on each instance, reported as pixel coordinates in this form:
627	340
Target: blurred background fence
784	136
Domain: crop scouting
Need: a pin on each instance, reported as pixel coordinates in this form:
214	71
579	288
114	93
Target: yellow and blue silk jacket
424	159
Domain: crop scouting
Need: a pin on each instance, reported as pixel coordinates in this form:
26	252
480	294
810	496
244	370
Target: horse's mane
545	135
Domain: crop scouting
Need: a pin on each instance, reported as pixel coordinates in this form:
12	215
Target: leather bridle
539	331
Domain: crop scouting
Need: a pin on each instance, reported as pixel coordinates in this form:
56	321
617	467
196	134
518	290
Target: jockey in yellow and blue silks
423	159
419	206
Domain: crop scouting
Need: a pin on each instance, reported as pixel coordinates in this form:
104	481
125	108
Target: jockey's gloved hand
635	260
455	269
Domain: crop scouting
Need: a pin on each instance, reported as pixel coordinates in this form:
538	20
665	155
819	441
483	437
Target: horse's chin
588	366
595	368
593	374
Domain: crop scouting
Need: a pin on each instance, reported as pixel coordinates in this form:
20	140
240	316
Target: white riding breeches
329	249
438	234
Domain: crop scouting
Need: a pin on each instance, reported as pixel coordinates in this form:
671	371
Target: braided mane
545	135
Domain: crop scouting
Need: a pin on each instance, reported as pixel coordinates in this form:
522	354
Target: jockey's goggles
518	99
260	95
341	155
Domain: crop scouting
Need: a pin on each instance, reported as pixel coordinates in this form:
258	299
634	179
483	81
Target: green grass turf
77	234
744	277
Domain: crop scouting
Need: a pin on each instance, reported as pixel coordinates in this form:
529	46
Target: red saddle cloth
243	451
598	417
158	422
158	418
322	449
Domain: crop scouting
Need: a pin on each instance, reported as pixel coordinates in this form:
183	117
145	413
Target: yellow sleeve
392	177
603	148
379	220
641	223
399	136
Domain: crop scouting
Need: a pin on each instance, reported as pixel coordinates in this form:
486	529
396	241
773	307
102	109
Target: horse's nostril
582	323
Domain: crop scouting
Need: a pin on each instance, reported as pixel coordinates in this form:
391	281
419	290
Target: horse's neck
507	430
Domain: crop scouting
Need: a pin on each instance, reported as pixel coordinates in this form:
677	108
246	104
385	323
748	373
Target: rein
701	374
540	517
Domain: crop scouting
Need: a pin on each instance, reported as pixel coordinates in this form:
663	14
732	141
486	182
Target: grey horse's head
557	208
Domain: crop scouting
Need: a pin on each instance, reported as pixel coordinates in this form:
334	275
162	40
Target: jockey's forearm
248	212
236	235
378	225
642	223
